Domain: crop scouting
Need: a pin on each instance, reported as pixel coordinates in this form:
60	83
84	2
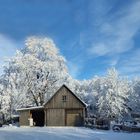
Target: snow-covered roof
76	95
14	116
30	108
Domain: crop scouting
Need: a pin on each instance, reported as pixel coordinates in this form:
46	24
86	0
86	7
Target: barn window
64	98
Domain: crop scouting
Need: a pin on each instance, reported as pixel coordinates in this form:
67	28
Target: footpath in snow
63	133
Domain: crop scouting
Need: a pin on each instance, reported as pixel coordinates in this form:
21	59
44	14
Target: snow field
62	133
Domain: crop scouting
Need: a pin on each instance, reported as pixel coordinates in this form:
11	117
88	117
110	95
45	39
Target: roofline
70	91
30	108
76	96
41	107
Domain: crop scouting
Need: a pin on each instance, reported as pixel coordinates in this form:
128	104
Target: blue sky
93	35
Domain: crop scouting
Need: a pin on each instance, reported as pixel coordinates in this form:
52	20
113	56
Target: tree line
33	75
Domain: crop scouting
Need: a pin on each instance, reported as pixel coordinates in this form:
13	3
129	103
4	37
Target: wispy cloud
74	69
130	65
117	35
76	66
8	48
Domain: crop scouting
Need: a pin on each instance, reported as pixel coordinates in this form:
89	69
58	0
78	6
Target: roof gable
63	90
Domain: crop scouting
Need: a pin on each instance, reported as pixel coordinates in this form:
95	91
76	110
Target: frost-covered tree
85	91
4	104
134	99
38	70
113	94
35	72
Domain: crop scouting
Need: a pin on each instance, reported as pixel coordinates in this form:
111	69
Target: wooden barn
64	108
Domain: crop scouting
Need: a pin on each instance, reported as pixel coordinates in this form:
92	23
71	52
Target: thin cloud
118	34
130	65
8	48
74	69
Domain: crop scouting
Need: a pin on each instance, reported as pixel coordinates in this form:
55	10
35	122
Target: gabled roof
41	107
70	92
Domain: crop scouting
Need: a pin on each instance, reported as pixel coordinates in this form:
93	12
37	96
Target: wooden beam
45	117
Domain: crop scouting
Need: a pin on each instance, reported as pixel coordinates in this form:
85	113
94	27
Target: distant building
64	108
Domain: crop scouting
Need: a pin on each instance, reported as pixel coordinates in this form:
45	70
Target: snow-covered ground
63	133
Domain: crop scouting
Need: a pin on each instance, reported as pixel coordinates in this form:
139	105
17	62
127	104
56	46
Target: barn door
73	118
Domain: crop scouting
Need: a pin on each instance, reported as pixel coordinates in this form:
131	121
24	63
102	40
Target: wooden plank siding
64	113
55	117
24	117
71	101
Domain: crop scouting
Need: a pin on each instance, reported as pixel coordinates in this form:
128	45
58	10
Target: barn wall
24	116
55	117
56	101
58	112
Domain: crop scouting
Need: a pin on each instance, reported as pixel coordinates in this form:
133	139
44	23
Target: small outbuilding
64	108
